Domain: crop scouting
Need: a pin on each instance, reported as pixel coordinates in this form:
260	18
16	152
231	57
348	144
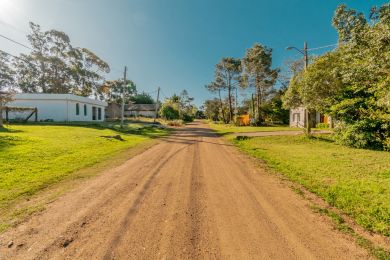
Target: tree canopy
54	65
352	83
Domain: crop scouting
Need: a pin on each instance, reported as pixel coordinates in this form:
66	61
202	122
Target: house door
94	113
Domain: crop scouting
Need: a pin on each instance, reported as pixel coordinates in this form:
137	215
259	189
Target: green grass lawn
226	129
353	180
35	156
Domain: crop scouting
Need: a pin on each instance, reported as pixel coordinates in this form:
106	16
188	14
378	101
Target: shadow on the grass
146	129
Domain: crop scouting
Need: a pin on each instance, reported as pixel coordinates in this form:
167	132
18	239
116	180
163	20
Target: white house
60	107
298	118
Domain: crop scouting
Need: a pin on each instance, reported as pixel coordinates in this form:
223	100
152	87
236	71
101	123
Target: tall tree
258	73
227	77
55	66
348	23
216	88
112	91
211	109
142	98
6	83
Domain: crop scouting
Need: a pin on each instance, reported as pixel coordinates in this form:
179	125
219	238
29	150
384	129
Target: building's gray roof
141	107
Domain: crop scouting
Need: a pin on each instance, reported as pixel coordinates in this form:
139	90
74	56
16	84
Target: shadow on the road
193	135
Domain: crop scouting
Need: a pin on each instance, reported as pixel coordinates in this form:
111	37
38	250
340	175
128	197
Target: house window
77	109
93	113
99	113
296	117
85	110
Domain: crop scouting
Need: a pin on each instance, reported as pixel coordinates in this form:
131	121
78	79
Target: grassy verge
355	181
226	129
34	157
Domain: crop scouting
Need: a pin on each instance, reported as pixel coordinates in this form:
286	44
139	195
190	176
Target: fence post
36	114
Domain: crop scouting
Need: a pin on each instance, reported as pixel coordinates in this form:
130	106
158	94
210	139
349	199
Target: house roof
69	97
141	107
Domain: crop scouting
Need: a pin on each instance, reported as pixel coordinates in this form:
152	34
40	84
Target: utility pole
158	96
306	56
123	97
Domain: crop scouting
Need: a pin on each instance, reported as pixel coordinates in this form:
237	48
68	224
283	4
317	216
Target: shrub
188	118
362	134
169	112
322	125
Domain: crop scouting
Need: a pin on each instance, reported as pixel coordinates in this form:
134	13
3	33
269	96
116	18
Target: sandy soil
192	196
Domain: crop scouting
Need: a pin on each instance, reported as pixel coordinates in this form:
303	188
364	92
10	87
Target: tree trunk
220	101
308	122
230	103
258	97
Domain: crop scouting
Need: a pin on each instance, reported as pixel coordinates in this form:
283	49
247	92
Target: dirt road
192	196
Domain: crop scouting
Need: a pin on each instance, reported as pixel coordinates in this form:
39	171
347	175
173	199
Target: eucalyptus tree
227	77
258	73
113	90
6	82
55	66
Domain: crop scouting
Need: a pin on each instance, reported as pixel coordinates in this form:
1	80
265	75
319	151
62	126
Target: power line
16	42
322	47
16	57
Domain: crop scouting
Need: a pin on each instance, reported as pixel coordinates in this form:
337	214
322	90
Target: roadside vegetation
36	156
352	82
353	180
178	109
226	129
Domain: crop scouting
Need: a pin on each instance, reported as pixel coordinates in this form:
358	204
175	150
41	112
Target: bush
169	112
322	125
188	118
362	134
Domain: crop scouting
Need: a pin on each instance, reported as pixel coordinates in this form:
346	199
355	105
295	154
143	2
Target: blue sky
175	44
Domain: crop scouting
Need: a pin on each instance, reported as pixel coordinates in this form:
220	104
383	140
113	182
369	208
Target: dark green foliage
142	98
169	112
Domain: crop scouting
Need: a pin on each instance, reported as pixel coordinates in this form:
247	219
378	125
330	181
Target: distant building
60	107
145	110
298	118
113	110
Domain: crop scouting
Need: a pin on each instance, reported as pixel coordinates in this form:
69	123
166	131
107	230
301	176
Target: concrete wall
140	113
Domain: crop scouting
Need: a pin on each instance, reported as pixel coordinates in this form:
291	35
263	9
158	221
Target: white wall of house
297	117
60	107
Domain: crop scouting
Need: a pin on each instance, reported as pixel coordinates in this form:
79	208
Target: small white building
60	107
298	118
